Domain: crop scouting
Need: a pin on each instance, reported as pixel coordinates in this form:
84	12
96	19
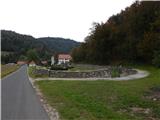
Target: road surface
19	99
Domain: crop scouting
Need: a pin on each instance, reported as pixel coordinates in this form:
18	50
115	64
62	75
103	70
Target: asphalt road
19	99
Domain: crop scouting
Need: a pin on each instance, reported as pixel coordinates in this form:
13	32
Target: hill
59	44
19	44
130	36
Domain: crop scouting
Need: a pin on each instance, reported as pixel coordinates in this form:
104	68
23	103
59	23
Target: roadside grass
31	74
7	69
103	100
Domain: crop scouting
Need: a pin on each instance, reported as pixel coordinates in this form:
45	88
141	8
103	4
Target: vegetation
132	36
59	67
17	45
83	67
32	55
59	44
32	75
30	72
7	69
156	59
115	72
112	100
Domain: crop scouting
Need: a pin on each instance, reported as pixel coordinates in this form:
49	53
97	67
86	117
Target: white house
64	58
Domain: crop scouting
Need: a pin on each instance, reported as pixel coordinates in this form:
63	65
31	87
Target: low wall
101	73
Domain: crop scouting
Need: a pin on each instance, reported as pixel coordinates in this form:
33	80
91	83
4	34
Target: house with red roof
64	58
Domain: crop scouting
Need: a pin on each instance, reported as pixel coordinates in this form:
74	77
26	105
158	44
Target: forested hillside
14	46
59	44
133	35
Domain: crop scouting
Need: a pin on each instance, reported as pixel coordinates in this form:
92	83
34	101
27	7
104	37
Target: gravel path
138	75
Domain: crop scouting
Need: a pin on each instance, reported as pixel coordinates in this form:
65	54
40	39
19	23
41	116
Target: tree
32	55
132	36
22	57
156	59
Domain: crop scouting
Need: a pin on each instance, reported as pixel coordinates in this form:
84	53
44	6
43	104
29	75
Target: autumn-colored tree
132	35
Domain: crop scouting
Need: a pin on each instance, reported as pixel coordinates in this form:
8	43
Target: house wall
31	65
52	60
63	61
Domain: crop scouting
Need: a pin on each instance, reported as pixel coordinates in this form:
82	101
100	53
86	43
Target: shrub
59	67
156	59
115	72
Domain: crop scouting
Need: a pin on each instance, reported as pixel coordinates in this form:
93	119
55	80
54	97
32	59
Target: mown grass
83	67
103	100
7	69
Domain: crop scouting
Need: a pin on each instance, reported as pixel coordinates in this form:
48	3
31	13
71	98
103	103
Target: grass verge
7	69
104	100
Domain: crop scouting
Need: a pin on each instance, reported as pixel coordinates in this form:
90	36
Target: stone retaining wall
101	73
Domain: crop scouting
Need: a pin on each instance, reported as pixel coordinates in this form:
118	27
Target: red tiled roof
64	56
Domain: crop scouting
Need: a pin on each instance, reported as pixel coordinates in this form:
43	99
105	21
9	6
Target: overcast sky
57	18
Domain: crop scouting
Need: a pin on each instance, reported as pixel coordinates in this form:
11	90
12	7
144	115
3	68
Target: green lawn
83	67
7	69
104	100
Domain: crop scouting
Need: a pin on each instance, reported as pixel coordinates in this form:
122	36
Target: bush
156	59
115	72
59	67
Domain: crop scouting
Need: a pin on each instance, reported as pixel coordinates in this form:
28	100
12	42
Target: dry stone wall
101	73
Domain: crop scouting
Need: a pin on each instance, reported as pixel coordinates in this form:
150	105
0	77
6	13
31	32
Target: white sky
57	18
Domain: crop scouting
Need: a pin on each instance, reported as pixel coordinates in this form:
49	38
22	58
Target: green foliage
59	44
63	66
59	67
9	58
19	44
32	55
23	58
31	73
132	35
115	72
156	59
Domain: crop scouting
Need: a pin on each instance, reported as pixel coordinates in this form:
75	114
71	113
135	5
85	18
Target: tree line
133	35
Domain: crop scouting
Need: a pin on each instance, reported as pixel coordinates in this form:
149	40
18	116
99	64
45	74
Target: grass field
105	100
7	69
84	67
